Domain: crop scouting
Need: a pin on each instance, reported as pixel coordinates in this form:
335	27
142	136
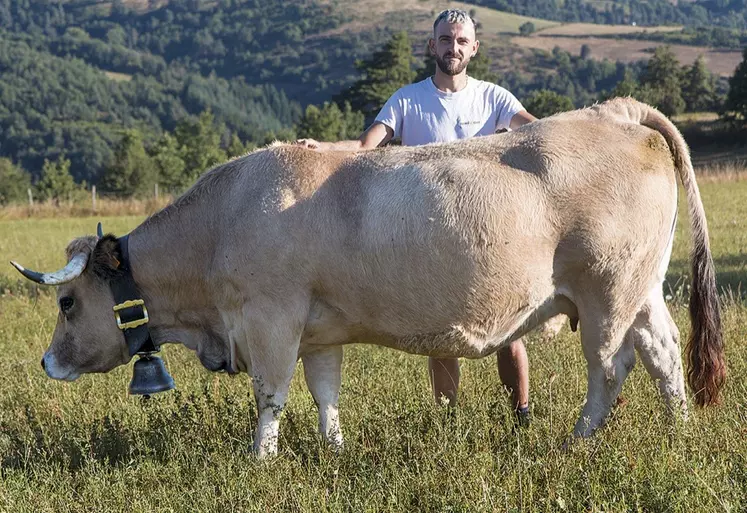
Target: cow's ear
106	258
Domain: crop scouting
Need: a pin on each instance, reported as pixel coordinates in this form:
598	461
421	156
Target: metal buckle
131	324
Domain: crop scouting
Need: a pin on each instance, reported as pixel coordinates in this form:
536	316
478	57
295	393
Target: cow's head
86	338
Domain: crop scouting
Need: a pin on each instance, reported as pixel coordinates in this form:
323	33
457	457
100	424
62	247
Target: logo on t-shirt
461	122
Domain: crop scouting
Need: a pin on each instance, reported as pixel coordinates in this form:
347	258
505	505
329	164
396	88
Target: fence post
31	197
93	197
155	191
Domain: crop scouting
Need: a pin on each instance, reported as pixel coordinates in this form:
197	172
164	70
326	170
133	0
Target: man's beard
450	67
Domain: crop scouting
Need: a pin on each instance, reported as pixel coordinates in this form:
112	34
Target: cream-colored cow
448	250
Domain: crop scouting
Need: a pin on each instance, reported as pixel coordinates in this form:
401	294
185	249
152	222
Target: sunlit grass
87	446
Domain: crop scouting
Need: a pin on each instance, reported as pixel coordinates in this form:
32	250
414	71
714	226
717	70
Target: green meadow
88	446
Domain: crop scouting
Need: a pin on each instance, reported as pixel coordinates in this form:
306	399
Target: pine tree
14	182
479	66
527	28
56	182
429	66
236	148
736	101
661	82
200	143
169	164
698	87
330	123
386	71
131	171
628	86
545	103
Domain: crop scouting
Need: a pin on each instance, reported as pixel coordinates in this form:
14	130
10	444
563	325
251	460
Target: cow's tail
705	348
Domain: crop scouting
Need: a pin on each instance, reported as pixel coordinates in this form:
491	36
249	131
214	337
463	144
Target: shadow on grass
731	276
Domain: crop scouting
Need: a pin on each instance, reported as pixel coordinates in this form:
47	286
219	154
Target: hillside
500	32
75	75
720	62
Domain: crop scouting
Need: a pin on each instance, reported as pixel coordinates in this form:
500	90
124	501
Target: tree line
725	13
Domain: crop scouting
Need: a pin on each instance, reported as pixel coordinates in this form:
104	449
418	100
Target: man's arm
521	118
378	134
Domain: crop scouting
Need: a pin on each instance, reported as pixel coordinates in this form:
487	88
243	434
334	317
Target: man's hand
309	143
377	134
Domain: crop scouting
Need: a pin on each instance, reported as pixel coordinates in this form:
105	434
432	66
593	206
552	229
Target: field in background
722	62
84	208
500	33
592	29
87	446
498	22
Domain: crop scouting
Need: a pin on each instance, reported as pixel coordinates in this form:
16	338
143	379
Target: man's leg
513	368
444	373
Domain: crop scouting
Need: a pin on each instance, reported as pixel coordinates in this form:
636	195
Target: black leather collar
126	293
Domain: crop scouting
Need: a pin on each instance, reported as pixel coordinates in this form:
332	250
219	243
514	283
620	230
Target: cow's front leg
322	369
273	346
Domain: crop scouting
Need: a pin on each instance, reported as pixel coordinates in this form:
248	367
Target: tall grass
728	171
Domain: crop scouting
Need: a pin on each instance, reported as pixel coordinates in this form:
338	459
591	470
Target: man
445	107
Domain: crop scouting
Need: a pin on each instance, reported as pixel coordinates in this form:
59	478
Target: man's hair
454	16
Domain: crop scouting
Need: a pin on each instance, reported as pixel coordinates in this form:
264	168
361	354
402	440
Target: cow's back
417	240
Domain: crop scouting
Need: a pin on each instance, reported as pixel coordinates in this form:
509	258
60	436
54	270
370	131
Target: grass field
721	62
87	446
500	33
592	29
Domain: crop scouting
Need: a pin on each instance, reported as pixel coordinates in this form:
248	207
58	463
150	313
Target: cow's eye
66	303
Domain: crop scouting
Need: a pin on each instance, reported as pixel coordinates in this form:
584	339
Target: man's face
454	44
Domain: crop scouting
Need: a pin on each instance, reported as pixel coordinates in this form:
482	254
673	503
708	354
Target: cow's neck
170	256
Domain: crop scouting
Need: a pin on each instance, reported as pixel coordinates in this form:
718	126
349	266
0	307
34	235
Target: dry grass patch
722	172
592	29
104	207
118	77
721	62
695	117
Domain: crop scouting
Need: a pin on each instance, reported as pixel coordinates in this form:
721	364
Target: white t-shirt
420	113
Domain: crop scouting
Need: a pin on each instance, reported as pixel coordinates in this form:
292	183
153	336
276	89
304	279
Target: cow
446	250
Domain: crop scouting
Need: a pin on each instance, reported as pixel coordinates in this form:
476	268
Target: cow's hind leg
322	369
656	338
610	358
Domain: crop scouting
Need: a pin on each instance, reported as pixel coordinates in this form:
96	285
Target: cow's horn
72	270
100	231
